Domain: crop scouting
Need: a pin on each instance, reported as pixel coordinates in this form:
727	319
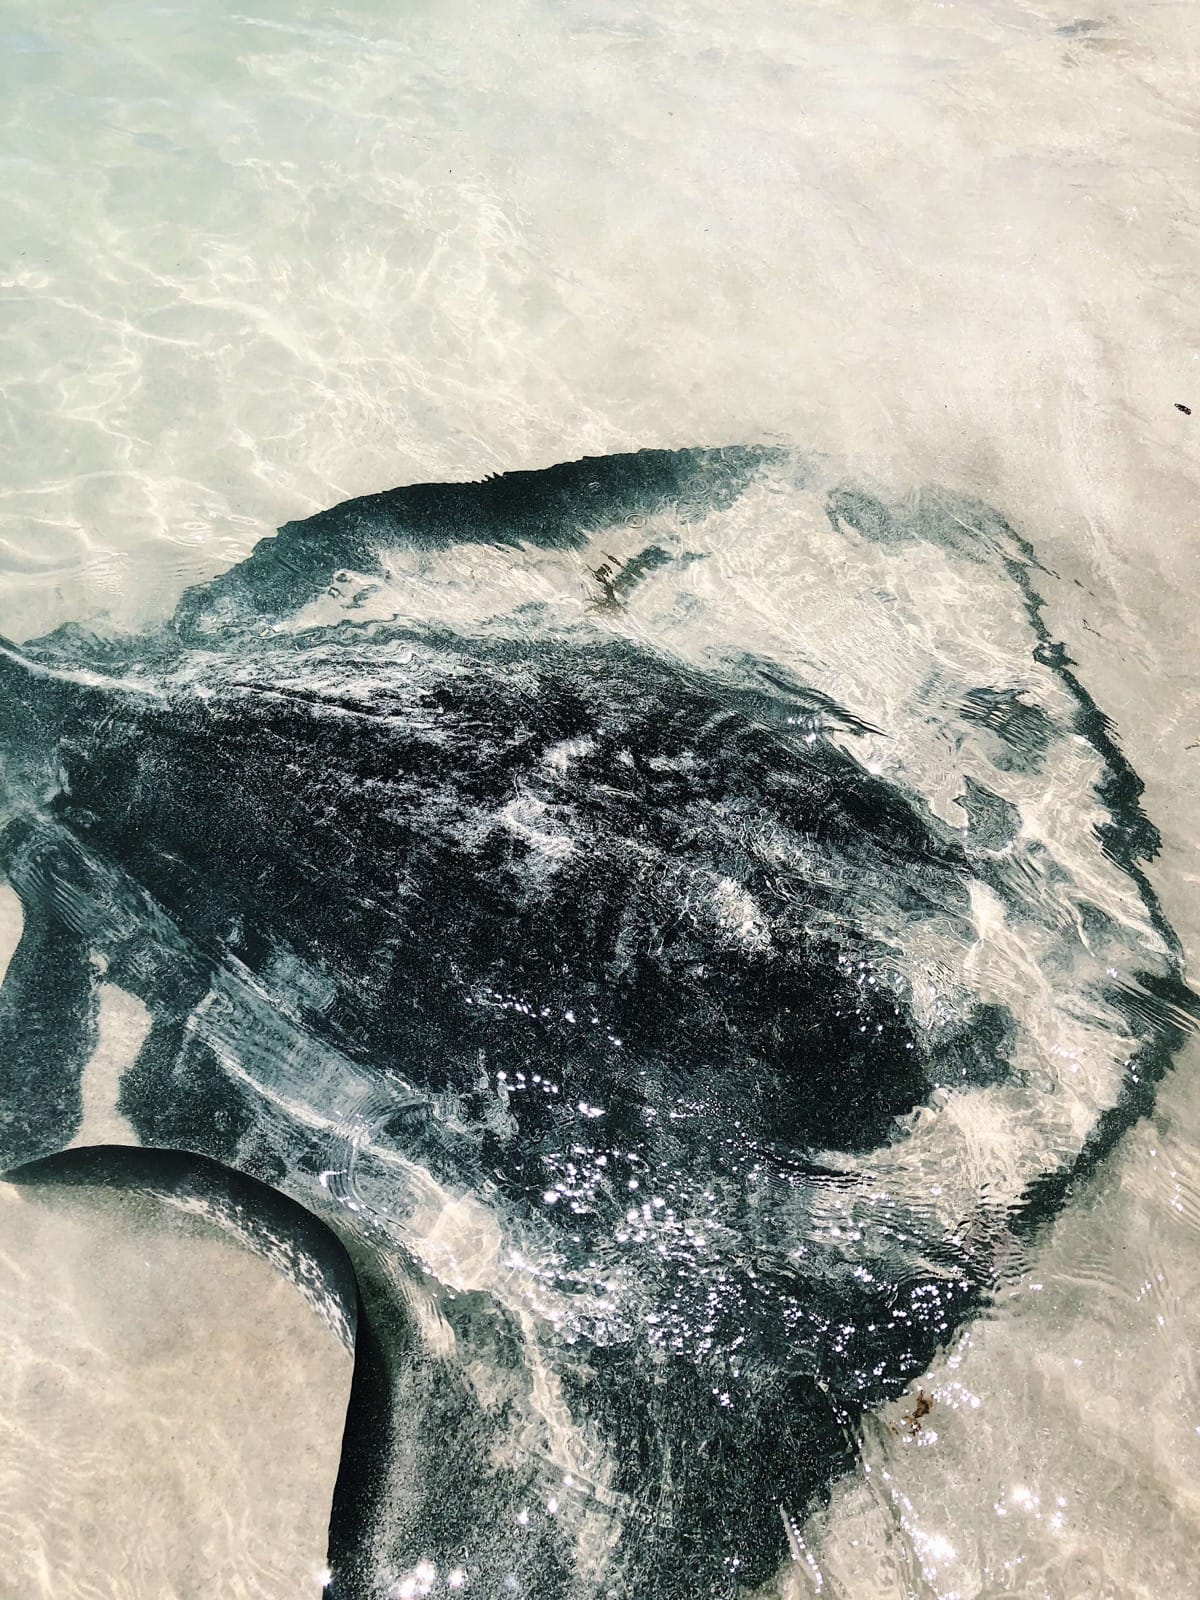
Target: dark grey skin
396	955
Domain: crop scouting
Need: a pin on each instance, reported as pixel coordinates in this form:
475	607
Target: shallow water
256	263
172	1405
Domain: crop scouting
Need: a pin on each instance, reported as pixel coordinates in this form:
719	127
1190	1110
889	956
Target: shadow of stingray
677	918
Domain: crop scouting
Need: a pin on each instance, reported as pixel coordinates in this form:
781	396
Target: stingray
677	918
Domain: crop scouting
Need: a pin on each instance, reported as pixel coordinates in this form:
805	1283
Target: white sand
170	1407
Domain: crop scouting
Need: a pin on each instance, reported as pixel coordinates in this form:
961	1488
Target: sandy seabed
254	264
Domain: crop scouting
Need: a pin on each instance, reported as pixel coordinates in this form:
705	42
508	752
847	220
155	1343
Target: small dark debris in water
922	1406
603	575
1179	406
618	577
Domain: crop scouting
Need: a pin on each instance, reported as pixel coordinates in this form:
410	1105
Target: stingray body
677	920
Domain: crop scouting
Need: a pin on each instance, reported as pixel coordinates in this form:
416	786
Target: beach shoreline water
942	243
